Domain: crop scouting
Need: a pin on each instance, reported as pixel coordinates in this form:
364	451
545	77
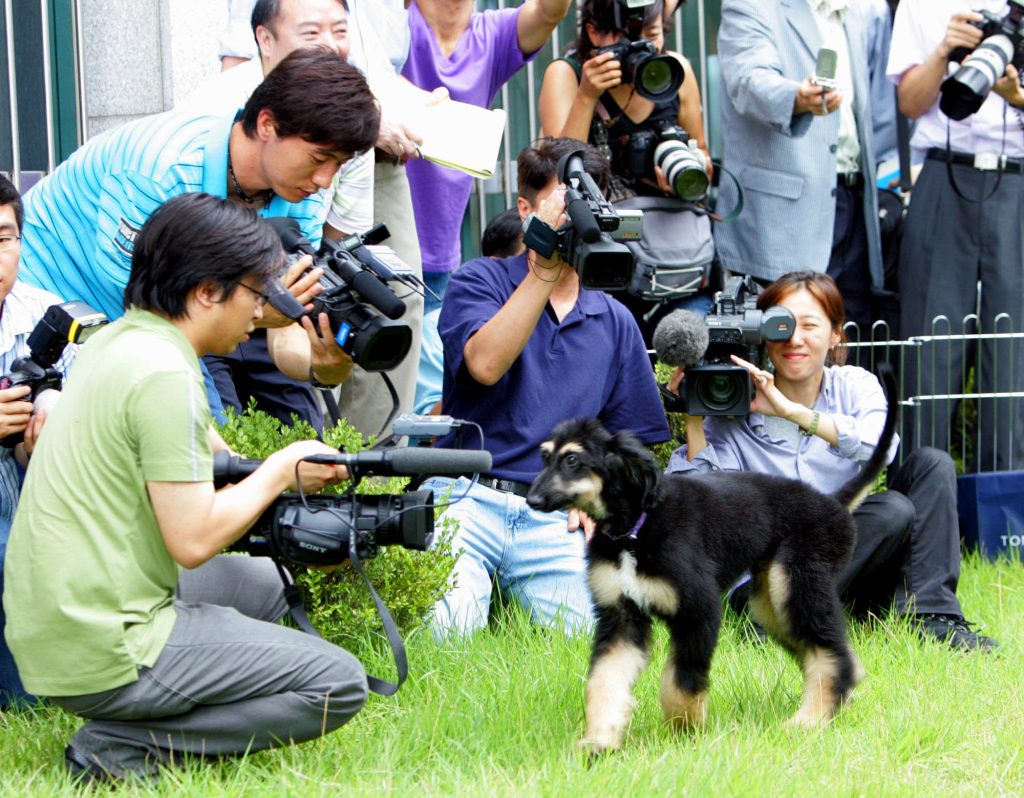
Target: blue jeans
437	282
11	689
535	560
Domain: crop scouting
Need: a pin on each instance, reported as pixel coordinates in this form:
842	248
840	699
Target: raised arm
537	20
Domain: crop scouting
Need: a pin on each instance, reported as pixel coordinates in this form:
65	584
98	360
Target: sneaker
954	631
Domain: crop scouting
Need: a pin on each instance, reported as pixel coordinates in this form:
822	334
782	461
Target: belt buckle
989	161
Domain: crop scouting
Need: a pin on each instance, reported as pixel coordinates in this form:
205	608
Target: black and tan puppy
670	545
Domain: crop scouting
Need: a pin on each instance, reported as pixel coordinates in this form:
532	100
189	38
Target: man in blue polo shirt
525	347
312	113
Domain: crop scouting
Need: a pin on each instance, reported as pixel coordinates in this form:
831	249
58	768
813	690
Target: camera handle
301	618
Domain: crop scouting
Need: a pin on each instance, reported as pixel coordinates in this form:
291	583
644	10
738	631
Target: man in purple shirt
472	54
525	347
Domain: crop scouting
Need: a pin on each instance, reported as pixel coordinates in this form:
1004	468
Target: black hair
316	95
538	163
266	12
9	196
503	236
196	238
601	14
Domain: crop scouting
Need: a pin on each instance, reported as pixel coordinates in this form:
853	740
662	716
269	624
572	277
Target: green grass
500	713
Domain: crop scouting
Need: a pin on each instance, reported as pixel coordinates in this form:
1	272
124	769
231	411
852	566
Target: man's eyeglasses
8	242
262	297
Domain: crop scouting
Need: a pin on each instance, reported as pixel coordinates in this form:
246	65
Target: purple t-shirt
486	56
591	364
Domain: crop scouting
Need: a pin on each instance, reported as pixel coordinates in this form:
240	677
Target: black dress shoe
954	631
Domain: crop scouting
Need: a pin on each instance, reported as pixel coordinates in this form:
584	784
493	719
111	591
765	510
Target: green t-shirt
89	583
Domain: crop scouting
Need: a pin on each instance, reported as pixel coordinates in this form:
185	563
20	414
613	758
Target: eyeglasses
8	242
262	297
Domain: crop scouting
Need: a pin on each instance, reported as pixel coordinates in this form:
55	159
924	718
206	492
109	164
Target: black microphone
681	339
371	261
228	468
578	211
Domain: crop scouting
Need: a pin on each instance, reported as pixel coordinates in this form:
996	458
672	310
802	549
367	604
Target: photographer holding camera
525	347
962	225
618	89
816	420
797	130
21	308
119	609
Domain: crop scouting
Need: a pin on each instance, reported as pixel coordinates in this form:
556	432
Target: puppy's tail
854	492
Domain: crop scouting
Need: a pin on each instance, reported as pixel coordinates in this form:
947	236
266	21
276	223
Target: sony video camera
965	90
657	77
322	529
716	386
584	241
67	323
671	148
372	341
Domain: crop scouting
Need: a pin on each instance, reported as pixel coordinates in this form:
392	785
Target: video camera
350	271
584	241
67	323
716	386
670	147
322	529
965	90
656	77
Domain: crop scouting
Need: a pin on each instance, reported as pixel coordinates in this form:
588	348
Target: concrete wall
140	57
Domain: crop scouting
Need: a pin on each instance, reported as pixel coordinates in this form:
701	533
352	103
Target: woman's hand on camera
768	400
600	73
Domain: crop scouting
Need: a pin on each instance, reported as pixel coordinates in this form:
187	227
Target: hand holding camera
15	410
600	73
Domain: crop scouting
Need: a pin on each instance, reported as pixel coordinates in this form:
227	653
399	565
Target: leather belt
982	161
505	485
849	179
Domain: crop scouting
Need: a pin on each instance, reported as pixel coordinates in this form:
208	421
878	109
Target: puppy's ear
638	463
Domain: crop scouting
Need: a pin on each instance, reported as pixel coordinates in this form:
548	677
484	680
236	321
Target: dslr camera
585	241
670	147
374	342
67	323
965	90
656	77
716	386
323	530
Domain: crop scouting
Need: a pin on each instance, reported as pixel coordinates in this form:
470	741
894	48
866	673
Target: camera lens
720	391
658	78
966	90
684	169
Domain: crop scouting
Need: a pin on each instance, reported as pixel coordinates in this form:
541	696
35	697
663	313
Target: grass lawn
500	713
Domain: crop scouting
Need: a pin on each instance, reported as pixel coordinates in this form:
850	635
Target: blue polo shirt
81	221
593	364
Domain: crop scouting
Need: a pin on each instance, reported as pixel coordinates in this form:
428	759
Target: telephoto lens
685	168
964	92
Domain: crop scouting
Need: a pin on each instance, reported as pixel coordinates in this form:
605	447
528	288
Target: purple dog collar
636	527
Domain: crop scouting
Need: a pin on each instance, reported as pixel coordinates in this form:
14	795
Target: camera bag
675	249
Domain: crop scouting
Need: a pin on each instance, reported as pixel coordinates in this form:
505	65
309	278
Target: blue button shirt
852	397
81	221
593	363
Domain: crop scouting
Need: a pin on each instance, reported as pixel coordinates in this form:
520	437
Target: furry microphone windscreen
681	338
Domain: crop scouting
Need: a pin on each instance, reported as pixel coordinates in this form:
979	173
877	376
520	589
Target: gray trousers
949	245
229	679
364	399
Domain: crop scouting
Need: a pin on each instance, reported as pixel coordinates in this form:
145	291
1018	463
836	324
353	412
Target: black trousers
950	244
908	542
848	264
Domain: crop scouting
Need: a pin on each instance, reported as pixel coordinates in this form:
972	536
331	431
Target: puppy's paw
595	747
806	718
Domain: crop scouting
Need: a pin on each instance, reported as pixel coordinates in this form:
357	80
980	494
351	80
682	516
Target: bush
339	604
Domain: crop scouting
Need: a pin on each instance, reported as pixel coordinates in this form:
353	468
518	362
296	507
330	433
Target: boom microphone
681	339
228	468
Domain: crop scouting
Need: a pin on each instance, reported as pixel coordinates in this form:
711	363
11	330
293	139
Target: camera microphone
582	218
681	339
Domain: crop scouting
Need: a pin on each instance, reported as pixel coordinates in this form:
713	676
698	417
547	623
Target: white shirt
919	28
833	36
350	195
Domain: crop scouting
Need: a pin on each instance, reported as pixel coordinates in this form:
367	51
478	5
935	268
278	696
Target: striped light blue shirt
22	310
81	221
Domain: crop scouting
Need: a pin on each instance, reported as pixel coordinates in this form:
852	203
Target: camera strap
298	612
952	177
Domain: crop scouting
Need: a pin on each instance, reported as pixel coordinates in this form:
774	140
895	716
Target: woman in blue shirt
817	420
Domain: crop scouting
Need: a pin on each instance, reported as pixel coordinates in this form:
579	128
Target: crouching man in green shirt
118	607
